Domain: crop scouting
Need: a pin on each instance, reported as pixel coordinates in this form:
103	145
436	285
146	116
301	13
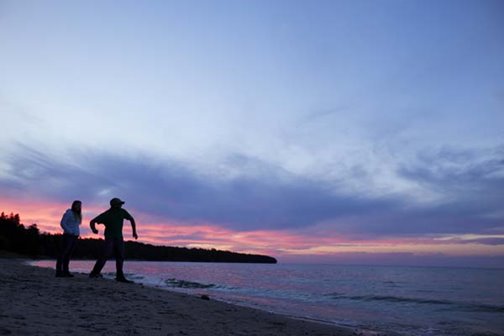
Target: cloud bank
262	196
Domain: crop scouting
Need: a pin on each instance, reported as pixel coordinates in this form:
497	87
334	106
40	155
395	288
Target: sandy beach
34	302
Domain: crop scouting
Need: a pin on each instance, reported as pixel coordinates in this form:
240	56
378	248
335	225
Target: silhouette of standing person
113	220
70	222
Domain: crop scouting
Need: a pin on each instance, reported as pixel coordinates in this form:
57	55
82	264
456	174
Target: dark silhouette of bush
15	237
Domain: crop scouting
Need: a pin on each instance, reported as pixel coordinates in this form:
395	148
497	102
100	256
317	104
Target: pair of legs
115	245
67	247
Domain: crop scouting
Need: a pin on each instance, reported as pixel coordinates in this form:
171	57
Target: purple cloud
268	197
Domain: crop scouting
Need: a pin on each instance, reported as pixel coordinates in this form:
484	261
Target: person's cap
116	201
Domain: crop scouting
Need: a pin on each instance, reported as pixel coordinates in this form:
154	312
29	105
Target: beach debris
186	284
205	297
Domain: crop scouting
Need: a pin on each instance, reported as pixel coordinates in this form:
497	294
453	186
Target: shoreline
34	302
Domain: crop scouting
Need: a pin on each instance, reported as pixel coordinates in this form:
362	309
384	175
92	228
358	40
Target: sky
365	131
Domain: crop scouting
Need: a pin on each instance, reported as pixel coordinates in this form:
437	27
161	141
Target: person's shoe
68	275
95	275
59	275
123	279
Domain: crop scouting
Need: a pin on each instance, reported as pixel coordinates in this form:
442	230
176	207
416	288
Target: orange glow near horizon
277	243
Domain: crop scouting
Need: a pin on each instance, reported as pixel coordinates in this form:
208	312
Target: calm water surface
416	301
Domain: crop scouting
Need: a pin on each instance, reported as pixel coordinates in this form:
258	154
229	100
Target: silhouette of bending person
70	222
113	220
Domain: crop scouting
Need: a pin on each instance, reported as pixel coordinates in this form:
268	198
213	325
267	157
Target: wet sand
34	302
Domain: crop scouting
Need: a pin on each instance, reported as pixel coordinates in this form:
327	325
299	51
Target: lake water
416	301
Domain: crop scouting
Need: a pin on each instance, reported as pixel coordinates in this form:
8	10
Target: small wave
389	298
473	307
186	284
482	308
399	299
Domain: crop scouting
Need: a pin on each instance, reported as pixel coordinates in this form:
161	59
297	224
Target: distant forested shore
28	240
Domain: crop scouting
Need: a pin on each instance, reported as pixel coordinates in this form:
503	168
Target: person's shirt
113	220
70	223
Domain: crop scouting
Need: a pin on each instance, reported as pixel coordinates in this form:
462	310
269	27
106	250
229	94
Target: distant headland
29	241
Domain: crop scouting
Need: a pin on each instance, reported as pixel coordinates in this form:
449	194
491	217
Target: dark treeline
15	237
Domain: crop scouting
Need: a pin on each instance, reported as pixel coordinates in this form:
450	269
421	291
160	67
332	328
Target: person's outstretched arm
92	224
133	227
